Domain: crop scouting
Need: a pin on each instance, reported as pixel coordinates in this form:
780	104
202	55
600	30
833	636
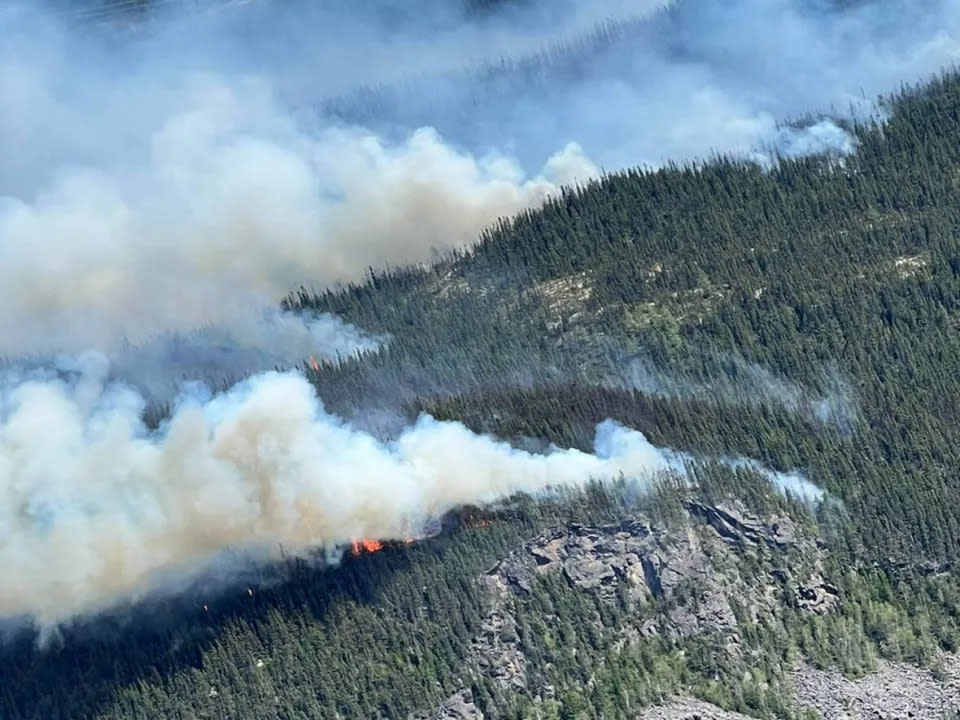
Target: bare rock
896	691
690	709
592	559
817	596
681	581
702	577
456	707
733	523
496	649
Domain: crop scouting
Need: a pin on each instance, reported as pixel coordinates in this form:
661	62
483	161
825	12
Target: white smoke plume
98	510
171	200
181	181
271	338
747	78
232	208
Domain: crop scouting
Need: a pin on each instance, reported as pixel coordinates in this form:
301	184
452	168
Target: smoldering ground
834	403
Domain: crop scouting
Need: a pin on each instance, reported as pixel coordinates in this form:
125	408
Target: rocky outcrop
496	650
817	596
705	576
896	691
734	525
690	709
689	571
457	707
591	559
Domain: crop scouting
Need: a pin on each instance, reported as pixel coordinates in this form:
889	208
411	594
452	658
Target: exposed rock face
592	559
817	596
690	709
734	525
896	691
703	577
496	650
456	707
693	569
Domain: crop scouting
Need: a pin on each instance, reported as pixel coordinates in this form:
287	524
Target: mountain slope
806	316
829	290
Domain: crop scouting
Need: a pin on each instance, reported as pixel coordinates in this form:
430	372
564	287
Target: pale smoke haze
147	193
185	180
168	198
749	384
97	510
233	209
706	77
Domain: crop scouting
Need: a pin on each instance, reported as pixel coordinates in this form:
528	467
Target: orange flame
366	545
314	364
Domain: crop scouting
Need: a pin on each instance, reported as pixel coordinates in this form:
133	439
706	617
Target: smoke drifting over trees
181	183
182	180
98	510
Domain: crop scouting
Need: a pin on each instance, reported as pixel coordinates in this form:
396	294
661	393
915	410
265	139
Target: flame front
358	546
314	364
366	545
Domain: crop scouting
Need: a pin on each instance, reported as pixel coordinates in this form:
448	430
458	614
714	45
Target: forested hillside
806	315
839	277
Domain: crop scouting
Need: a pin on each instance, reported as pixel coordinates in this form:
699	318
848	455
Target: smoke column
162	199
176	185
188	178
746	77
97	510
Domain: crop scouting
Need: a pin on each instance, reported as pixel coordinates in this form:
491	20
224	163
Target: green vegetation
840	279
813	271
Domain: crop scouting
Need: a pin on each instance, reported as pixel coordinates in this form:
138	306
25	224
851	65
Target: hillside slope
806	316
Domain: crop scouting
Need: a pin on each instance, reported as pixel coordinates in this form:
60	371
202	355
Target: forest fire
468	518
359	547
314	364
365	545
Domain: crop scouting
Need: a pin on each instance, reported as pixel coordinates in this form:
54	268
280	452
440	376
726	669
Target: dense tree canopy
806	315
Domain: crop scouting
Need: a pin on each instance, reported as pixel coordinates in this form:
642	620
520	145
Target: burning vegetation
366	545
467	518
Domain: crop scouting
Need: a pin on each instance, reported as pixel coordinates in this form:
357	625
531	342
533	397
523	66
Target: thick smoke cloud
99	510
701	78
188	177
160	192
230	209
161	198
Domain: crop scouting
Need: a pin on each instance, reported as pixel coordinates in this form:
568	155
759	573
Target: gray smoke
271	338
140	197
99	510
748	384
160	193
748	78
188	178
